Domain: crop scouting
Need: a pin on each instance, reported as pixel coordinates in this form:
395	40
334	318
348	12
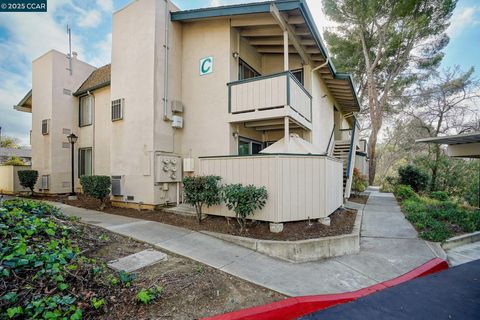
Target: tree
28	178
9	142
447	101
383	41
97	187
200	191
14	161
244	200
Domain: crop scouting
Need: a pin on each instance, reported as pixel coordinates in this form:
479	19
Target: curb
461	240
302	250
293	308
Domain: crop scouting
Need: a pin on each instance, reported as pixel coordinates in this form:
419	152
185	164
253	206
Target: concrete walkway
389	248
463	254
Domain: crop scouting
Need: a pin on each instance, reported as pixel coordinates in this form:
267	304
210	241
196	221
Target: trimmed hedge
97	187
28	178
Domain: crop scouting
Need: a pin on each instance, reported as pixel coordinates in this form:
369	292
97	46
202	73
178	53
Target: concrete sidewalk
389	248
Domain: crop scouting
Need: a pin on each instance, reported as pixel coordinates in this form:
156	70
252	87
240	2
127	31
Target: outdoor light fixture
235	135
72	138
236	55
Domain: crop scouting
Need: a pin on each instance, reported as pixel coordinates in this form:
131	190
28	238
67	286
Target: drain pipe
165	72
321	66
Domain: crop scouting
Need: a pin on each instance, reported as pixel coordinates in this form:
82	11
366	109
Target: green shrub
413	176
439	195
97	187
28	178
359	182
146	296
403	192
14	161
244	200
200	191
388	184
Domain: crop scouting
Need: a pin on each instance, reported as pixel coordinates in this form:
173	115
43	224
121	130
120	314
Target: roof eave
85	91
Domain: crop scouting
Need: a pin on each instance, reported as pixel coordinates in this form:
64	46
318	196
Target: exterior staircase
341	150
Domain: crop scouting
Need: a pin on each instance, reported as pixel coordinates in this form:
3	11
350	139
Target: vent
45	182
45	126
177	106
117	109
67	92
117	186
130	198
65	184
65	145
66	131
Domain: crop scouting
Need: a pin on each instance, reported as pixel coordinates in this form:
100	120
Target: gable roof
340	84
99	78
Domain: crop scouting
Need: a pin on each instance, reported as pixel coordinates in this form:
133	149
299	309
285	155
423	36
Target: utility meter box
168	168
188	165
177	122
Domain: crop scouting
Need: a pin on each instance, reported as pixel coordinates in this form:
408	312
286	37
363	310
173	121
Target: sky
26	36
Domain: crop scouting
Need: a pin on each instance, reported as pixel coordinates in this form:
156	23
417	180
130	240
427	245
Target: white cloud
89	19
105	5
463	18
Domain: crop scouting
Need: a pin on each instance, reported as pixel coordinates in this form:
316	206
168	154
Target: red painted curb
293	308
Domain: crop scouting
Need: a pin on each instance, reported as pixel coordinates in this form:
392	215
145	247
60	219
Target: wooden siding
300	187
258	95
300	101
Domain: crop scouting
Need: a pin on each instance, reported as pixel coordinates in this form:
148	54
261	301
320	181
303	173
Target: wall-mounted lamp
235	135
236	55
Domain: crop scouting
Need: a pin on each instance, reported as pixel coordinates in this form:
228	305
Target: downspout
93	132
322	65
165	73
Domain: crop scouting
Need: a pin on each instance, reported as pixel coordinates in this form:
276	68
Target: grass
437	217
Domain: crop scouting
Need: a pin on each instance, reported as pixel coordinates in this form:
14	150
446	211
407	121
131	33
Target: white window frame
117	103
82	167
85	111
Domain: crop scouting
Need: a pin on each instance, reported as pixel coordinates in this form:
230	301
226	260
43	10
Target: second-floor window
298	73
86	111
245	71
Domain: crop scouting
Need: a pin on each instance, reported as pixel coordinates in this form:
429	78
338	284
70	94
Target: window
86	107
248	147
298	74
117	109
84	162
45	182
245	71
45	126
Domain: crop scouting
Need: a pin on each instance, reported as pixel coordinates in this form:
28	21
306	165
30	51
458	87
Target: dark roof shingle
99	78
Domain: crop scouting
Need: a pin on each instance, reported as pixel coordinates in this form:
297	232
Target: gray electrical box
168	168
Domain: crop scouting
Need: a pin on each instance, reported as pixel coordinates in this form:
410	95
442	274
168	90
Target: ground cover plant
52	267
437	217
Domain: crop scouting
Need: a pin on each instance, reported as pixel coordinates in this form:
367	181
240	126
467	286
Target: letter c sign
206	66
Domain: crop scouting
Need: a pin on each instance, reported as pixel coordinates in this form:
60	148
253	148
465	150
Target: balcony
270	97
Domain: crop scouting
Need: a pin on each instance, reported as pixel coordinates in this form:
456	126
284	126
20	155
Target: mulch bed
362	199
342	221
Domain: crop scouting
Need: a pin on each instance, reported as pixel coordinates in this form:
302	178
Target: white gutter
321	66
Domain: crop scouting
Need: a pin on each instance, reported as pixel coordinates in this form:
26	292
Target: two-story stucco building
247	92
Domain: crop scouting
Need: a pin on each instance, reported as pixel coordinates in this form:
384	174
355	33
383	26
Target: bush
200	191
413	176
439	195
388	184
359	182
244	200
14	161
97	187
403	192
28	178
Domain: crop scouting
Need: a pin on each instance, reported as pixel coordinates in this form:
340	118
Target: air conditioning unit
177	122
117	186
177	106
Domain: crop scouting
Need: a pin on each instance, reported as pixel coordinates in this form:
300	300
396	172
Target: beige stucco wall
97	136
9	181
49	78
